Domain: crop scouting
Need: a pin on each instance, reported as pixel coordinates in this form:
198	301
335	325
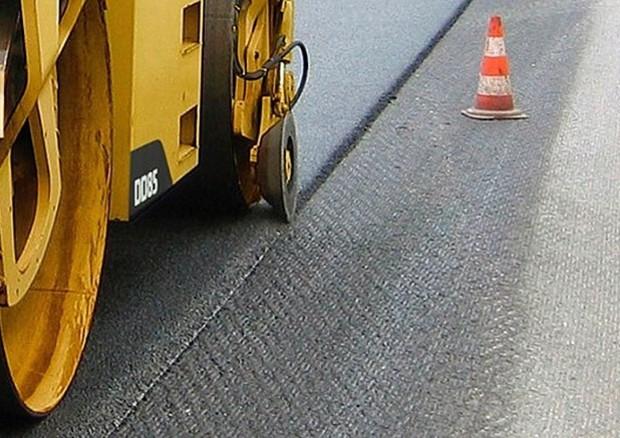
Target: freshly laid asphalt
450	278
361	51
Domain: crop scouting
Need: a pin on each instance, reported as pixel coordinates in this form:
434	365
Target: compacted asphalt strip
450	278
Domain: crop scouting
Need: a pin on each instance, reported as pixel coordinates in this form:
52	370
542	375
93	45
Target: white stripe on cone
495	47
494	86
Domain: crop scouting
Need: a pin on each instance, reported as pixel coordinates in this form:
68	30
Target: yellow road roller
105	106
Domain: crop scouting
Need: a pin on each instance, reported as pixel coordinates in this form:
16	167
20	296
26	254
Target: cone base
478	114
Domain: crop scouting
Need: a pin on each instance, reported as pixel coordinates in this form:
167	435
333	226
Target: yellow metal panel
254	49
46	36
167	79
156	80
120	21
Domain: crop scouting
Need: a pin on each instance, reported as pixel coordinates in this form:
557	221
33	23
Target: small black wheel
278	168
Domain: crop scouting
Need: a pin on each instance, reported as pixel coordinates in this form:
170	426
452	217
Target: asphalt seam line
194	337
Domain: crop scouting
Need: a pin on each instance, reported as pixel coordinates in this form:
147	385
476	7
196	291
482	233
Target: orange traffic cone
494	99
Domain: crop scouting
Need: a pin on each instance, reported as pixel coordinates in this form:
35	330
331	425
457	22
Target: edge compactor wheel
54	200
277	168
247	97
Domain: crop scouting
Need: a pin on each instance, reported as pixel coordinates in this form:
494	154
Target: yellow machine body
156	61
100	113
156	76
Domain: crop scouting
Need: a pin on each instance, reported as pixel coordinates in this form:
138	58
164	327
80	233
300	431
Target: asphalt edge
359	131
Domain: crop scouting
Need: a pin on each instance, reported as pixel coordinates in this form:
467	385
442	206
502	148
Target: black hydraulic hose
272	63
304	73
305	69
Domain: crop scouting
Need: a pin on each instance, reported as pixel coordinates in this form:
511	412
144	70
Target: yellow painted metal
43	44
156	80
288	166
258	107
121	16
42	336
264	28
254	49
156	76
18	267
2	100
108	78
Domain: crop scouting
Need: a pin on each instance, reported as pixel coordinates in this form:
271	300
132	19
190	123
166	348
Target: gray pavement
450	278
570	374
361	51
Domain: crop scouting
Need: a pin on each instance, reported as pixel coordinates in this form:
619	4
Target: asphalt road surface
361	52
450	278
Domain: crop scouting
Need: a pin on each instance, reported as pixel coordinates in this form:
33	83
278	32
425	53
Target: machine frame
105	106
